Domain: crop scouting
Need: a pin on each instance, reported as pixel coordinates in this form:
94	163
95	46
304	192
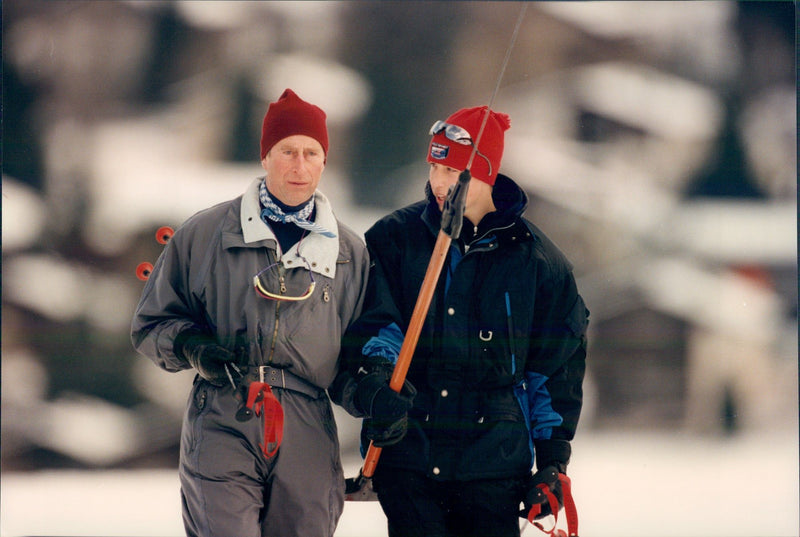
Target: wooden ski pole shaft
452	219
412	334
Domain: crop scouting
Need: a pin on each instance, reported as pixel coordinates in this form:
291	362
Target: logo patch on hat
439	151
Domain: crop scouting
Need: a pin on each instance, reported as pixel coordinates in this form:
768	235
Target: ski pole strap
570	511
260	399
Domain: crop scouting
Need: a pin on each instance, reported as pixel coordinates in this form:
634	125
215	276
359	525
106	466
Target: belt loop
283	379
261	371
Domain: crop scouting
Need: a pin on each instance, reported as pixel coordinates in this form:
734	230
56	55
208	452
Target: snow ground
625	484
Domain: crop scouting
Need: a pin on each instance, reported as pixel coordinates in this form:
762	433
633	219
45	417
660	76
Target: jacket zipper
473	246
274	333
277	314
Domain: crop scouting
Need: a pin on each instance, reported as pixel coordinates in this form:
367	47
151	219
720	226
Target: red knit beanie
443	150
291	115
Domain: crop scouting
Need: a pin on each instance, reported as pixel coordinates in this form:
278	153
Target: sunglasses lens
437	127
458	135
452	132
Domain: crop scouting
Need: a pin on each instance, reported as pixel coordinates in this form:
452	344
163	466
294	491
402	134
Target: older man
254	294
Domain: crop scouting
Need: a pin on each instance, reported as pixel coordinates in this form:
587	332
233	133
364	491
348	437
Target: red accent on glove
570	510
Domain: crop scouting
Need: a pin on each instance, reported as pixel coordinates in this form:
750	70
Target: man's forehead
299	141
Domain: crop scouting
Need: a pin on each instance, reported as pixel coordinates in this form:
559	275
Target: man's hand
386	410
552	458
207	356
534	494
384	433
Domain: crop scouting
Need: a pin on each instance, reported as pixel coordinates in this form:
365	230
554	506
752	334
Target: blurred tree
727	174
765	32
401	48
243	144
170	33
22	145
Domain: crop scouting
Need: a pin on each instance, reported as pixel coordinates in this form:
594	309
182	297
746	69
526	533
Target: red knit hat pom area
291	115
442	150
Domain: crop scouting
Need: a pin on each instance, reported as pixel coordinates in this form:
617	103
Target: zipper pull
282	278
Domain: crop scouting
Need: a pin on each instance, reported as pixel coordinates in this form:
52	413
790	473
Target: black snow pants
417	506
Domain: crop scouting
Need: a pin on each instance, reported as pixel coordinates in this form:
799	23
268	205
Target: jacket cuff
552	453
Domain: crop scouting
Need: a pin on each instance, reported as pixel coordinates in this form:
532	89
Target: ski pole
360	488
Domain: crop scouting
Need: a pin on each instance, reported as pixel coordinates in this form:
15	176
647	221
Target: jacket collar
320	251
509	199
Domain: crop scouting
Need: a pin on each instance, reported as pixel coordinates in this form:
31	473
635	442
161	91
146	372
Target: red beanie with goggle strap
486	163
291	115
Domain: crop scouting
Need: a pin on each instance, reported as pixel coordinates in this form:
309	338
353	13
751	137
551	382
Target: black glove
384	433
535	495
376	399
204	354
386	410
552	458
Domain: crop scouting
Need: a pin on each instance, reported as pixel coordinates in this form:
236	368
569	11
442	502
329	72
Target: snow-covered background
656	140
624	485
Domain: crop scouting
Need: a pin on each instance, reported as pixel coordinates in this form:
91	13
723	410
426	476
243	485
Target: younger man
499	366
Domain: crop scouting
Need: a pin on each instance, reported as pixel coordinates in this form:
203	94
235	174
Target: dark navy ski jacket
501	358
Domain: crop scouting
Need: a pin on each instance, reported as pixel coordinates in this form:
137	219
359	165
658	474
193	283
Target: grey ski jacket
204	278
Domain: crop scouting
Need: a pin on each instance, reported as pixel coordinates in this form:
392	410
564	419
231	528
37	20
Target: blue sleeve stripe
540	407
386	344
511	335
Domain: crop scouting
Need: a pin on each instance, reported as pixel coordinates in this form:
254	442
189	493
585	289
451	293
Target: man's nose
300	162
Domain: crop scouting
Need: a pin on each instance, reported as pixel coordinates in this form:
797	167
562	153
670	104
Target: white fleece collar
321	252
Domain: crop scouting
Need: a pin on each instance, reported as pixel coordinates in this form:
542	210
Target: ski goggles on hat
452	132
277	272
459	135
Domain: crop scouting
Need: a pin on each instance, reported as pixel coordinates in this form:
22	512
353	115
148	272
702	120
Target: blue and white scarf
273	212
